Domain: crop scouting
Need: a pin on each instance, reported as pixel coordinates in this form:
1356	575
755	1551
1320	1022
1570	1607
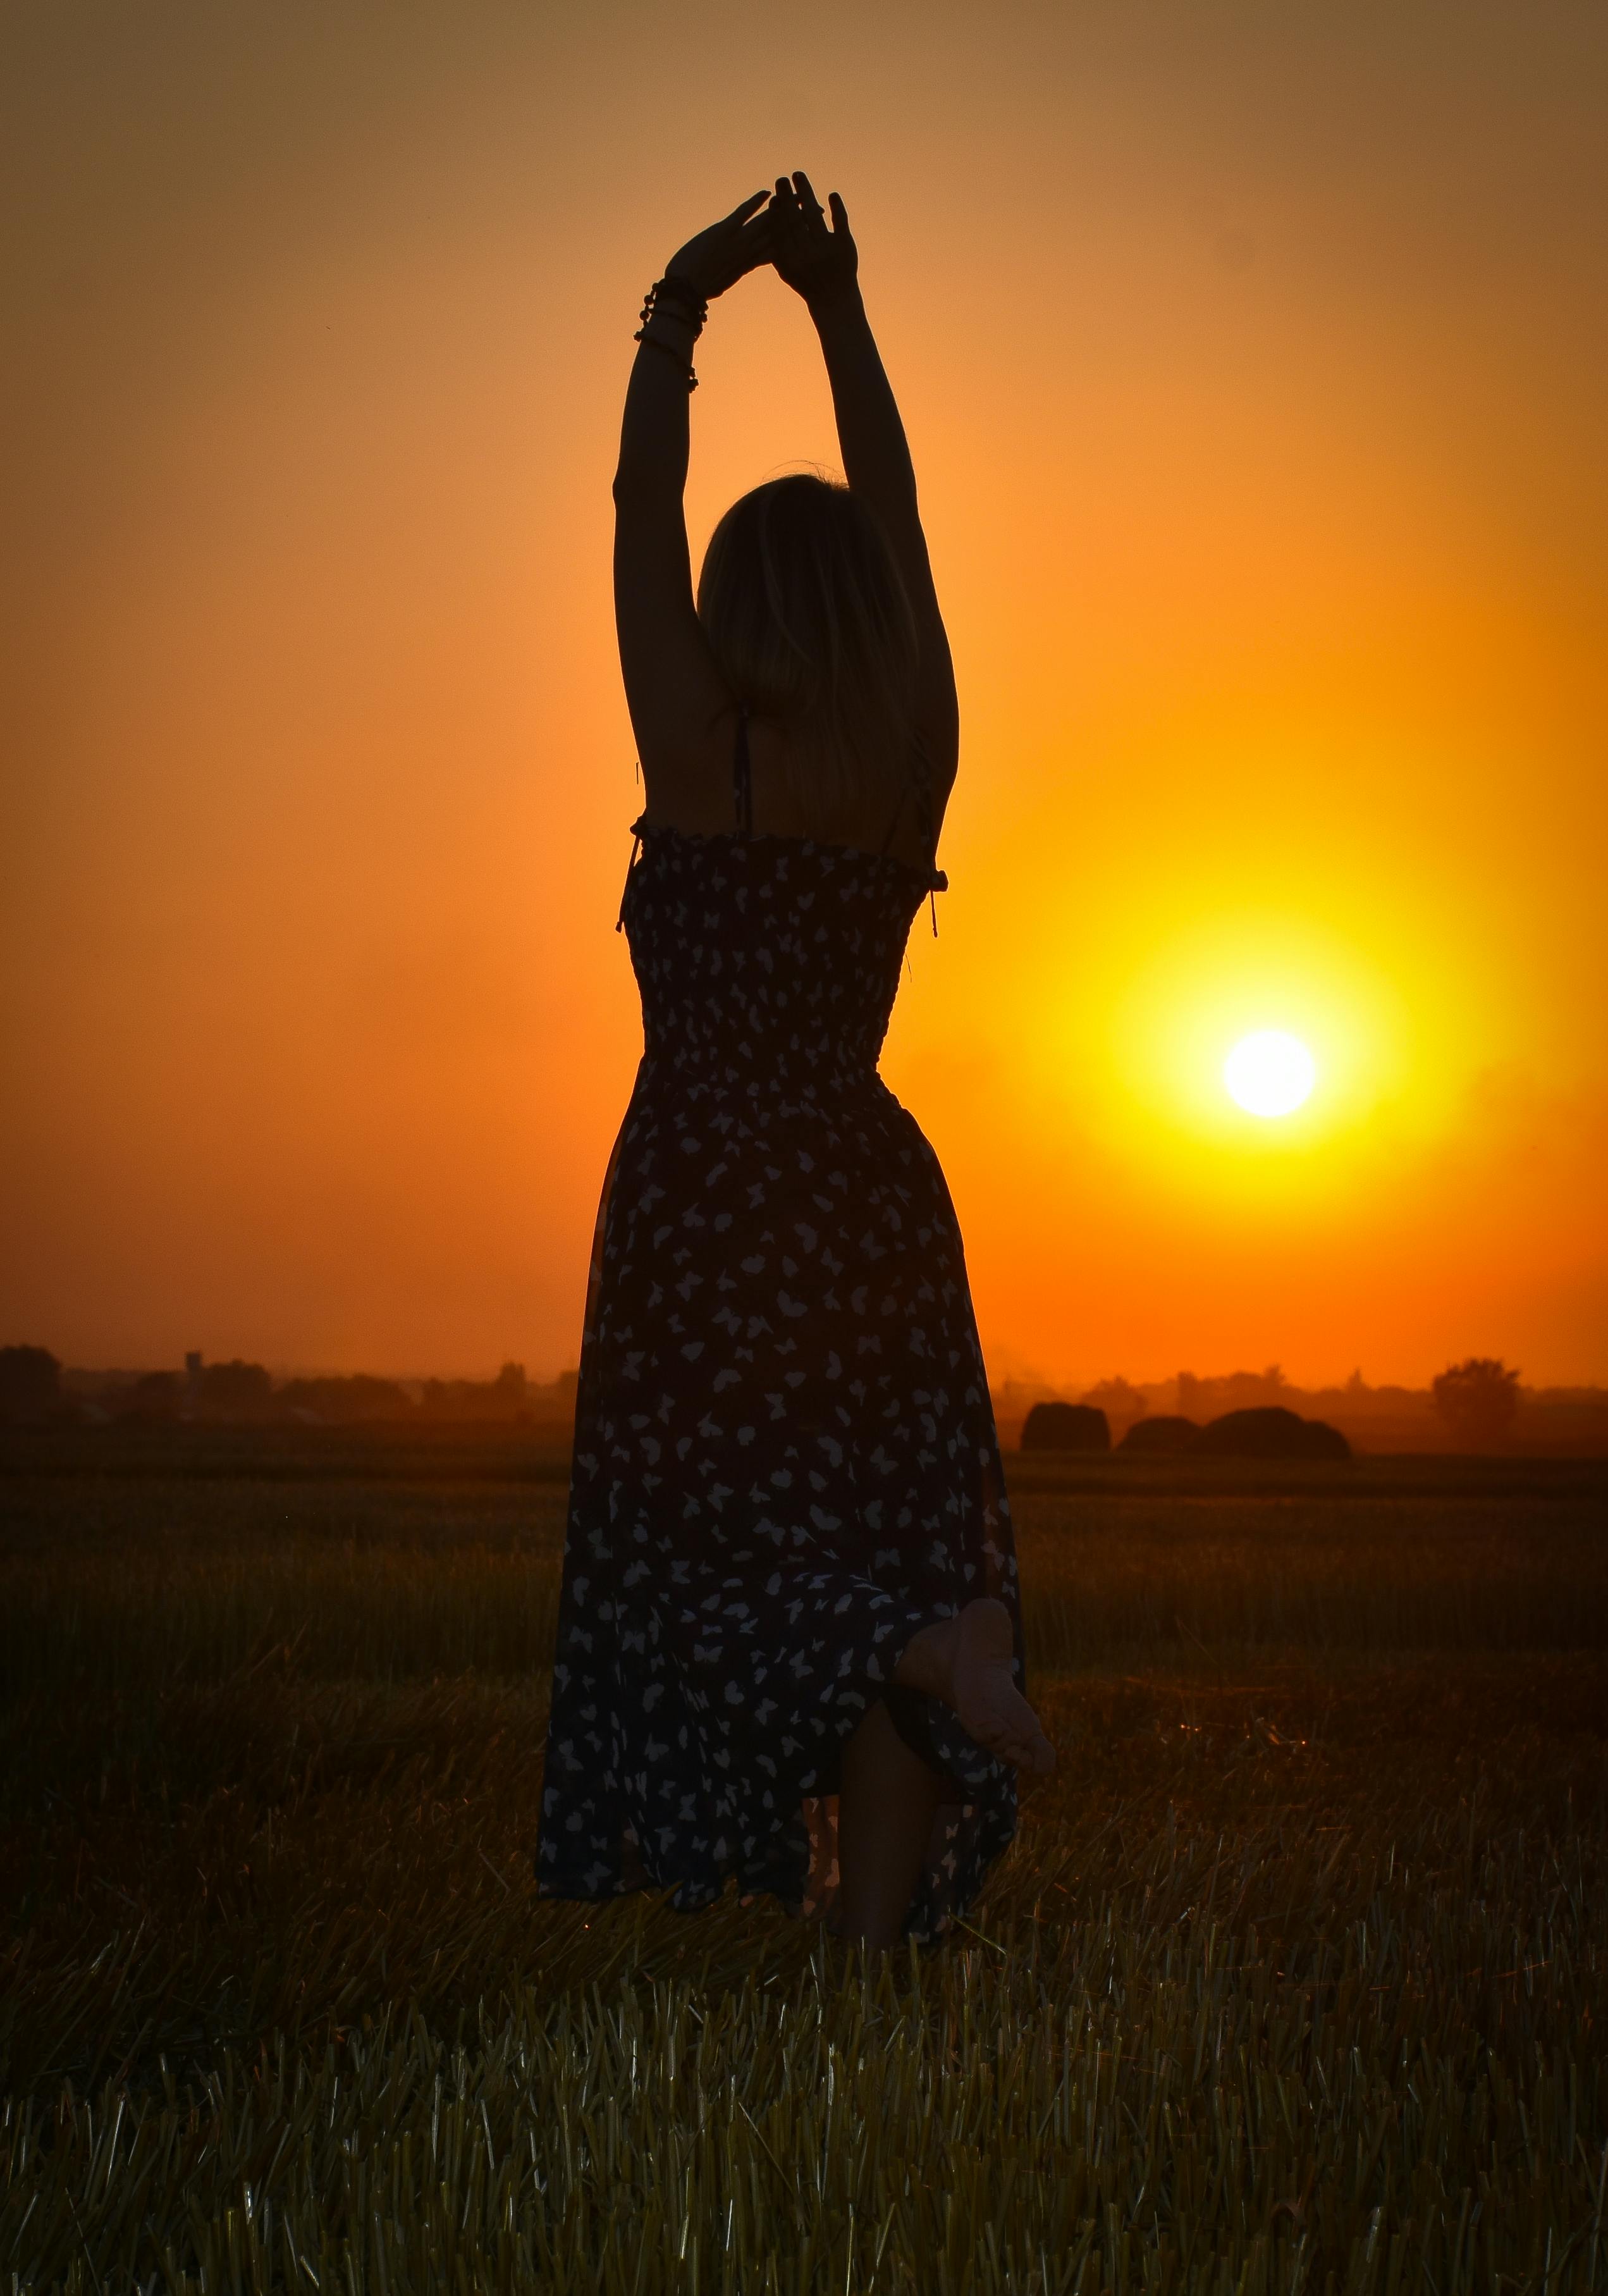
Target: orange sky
1253	359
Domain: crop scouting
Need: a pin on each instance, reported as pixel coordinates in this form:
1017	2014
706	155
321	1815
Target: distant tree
345	1400
1118	1398
502	1401
30	1383
1477	1400
236	1390
1250	1391
156	1396
1235	1390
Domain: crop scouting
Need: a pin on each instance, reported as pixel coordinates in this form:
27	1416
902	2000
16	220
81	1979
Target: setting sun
1269	1073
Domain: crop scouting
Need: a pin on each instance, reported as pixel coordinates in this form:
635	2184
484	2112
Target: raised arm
672	688
822	266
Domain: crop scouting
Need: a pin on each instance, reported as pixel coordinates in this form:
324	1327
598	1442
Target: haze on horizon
1253	363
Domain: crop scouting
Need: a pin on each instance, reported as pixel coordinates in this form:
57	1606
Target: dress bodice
766	959
770	958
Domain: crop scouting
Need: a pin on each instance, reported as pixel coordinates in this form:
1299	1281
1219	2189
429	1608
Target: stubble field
1296	1979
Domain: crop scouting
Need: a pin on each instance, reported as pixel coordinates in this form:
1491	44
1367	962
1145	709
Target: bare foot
965	1661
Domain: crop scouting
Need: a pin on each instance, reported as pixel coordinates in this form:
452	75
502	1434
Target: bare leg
965	1661
887	1798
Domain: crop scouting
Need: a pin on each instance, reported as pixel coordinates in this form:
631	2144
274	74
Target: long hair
810	625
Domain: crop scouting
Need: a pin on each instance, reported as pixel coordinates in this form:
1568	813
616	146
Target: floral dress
785	1458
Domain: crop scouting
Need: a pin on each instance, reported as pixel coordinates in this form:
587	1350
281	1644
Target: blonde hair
809	620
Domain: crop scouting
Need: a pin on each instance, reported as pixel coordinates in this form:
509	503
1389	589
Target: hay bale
1165	1433
1065	1427
1271	1432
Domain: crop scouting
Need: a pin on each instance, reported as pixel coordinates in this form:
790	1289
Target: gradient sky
1254	358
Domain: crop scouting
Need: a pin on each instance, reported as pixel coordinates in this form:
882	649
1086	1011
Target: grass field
1296	1979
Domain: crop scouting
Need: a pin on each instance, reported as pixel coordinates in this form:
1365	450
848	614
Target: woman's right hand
818	264
715	259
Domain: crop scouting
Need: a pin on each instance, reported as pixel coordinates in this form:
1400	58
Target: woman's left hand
717	259
818	264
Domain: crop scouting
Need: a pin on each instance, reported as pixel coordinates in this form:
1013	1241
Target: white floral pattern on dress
784	1460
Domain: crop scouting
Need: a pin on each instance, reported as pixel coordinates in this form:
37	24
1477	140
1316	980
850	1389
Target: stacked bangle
680	301
682	292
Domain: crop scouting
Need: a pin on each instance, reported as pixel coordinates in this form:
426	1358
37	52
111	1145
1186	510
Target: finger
840	214
745	208
808	206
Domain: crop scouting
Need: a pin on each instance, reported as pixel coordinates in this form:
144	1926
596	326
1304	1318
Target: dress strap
742	775
921	780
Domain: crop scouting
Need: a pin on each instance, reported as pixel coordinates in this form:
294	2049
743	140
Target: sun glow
1151	1067
1269	1073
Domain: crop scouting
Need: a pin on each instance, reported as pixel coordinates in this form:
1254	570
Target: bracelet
653	343
677	290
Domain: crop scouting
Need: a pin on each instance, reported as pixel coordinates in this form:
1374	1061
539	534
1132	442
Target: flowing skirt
785	1465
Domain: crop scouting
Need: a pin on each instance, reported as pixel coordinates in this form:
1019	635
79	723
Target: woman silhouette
789	1644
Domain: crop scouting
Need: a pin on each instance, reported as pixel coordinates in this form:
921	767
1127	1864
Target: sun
1269	1073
